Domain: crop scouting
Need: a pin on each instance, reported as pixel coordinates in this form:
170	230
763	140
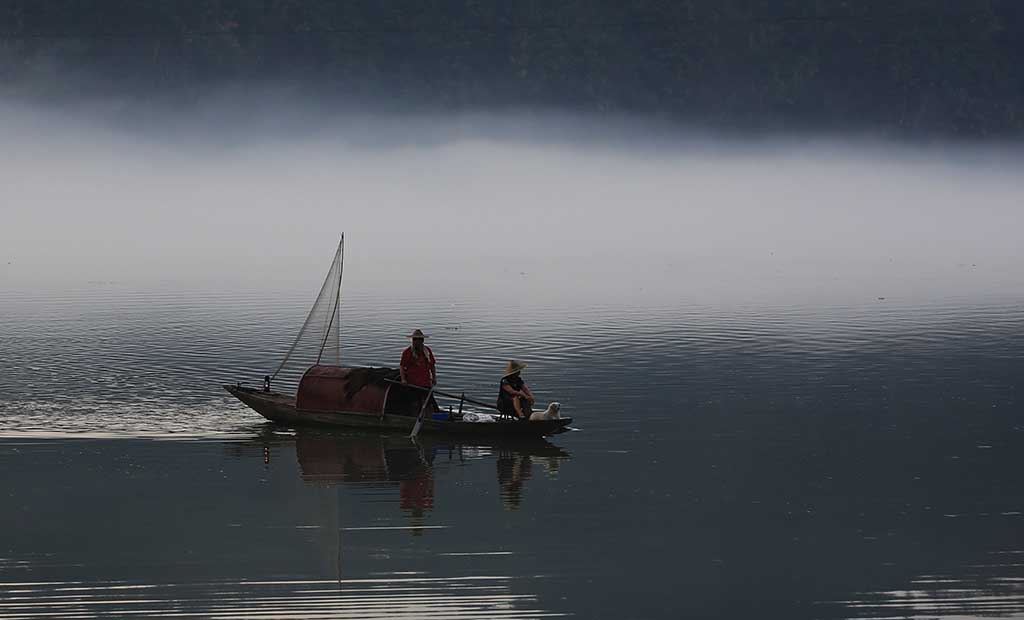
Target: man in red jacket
418	366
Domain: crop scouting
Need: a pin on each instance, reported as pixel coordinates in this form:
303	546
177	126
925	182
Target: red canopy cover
352	390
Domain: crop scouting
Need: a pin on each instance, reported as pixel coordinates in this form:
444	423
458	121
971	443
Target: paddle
448	394
419	418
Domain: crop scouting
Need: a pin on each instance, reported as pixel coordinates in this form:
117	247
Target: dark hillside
906	66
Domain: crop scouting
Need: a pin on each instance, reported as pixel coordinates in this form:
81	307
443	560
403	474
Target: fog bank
450	202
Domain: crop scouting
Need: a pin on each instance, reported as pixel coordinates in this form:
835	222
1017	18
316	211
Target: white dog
551	413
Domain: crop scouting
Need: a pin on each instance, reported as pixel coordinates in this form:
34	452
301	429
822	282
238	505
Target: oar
419	418
448	394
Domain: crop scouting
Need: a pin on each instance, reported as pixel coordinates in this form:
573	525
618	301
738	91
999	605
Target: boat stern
271	405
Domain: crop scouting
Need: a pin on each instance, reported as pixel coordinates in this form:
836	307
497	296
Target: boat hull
281	409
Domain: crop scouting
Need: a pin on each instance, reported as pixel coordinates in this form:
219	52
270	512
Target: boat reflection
350	458
380	469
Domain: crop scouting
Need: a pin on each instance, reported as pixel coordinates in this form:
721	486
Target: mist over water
618	210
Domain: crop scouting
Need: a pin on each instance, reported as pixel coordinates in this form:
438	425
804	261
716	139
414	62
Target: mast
335	316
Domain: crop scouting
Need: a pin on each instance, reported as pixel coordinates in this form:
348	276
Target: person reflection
514	469
382	460
413	471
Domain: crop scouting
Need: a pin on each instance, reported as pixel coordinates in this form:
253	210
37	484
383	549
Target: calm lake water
856	458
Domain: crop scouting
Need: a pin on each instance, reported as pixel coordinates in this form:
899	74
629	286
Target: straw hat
513	368
417	334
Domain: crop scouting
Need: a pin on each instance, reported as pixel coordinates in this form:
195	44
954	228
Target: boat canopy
335	388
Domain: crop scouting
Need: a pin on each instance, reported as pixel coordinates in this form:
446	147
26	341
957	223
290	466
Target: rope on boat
331	290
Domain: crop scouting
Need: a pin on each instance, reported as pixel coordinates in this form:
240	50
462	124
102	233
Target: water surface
854	457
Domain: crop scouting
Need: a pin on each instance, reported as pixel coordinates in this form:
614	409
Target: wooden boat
369	398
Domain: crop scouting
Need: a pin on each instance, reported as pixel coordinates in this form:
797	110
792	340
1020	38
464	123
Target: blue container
440	416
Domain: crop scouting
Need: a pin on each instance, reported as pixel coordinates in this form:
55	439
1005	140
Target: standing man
418	367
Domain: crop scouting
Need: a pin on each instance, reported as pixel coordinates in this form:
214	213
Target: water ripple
396	596
995	591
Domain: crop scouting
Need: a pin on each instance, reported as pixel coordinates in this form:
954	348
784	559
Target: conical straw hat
512	368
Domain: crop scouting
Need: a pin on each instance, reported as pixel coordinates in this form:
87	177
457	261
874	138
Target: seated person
514	398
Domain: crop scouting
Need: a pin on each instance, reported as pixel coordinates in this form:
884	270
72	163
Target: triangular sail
319	340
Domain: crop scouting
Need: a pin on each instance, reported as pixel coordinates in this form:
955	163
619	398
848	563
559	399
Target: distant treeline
954	67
